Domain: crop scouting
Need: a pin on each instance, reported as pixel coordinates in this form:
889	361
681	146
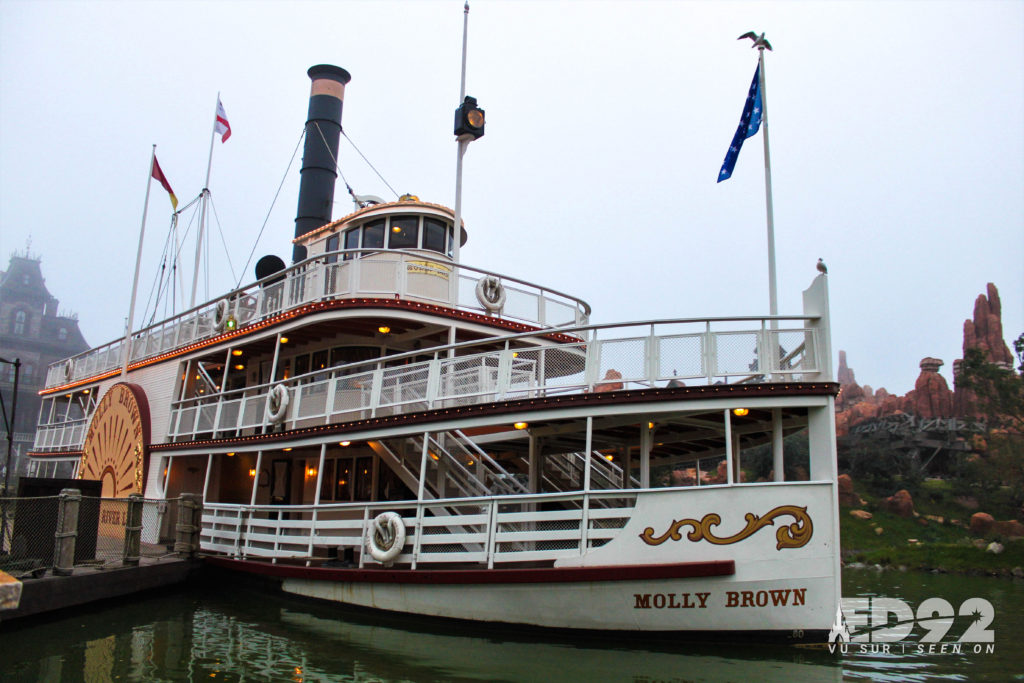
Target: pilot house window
433	235
404	233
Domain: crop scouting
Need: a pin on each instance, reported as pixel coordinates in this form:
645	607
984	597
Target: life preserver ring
69	368
220	314
385	537
490	293
277	403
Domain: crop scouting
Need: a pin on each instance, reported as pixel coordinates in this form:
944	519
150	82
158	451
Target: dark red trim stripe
682	570
319	307
735	391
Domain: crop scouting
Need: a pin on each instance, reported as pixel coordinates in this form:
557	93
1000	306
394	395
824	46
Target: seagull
759	40
822	268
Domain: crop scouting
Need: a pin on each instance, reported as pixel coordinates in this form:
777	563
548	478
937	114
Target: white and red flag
222	126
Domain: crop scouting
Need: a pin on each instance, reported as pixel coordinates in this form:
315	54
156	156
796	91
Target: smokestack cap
335	73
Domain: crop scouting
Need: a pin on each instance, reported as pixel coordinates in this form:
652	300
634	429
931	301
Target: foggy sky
897	146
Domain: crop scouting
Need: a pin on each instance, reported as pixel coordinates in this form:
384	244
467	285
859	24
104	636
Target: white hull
678	605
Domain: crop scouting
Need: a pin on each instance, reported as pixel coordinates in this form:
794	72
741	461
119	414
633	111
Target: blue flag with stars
750	123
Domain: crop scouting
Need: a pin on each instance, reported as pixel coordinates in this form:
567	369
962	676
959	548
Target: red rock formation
900	503
985	331
930	396
844	375
981	523
1009	529
847	497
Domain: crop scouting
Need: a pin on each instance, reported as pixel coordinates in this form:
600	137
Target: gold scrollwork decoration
795	535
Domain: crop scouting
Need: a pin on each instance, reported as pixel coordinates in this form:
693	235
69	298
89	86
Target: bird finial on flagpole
822	268
760	42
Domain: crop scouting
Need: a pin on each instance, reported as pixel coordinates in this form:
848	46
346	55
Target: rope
272	203
220	231
367	162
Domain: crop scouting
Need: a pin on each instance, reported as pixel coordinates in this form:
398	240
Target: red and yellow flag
158	175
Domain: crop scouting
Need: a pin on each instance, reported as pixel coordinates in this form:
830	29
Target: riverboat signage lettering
780	597
115	445
795	535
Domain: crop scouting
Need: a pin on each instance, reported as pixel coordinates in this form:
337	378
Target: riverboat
381	425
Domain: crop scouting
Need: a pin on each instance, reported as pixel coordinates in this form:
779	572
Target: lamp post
9	424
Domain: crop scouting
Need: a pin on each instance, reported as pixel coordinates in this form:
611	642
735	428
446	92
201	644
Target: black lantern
469	119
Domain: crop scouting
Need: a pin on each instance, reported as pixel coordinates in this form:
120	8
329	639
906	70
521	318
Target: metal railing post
67	532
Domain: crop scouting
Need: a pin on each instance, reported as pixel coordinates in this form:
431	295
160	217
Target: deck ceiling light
287	450
740	412
240	366
284	340
231	454
344	443
521	425
650	425
236	352
609	458
384	329
252	471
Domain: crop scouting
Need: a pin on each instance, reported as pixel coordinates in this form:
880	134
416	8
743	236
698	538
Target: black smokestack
323	123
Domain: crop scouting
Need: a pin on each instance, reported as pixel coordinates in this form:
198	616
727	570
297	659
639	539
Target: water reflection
242	635
253	637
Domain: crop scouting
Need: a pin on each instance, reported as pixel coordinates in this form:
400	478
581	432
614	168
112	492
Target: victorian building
33	332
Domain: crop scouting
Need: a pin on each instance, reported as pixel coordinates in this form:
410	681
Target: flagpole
773	302
202	208
462	145
126	353
778	461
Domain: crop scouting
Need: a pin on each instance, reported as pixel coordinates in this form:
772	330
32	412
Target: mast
126	352
202	207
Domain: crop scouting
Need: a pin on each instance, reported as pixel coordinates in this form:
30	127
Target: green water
227	633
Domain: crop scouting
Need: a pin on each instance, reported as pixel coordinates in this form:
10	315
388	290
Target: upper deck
413	276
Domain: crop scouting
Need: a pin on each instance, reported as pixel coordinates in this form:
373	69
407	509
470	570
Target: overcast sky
897	144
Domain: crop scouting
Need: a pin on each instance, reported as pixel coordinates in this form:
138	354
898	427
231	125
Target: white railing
640	356
414	276
492	531
61	436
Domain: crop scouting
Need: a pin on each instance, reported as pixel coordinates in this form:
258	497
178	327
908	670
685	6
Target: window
327	481
433	234
404	233
331	246
351	241
373	235
343	355
62	333
301	365
19	322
